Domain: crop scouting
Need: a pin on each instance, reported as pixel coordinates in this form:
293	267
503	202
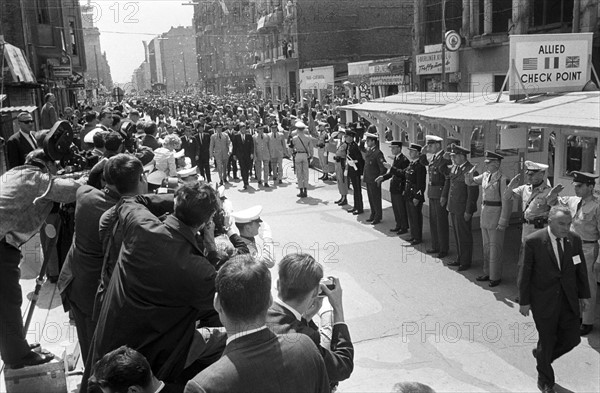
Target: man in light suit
21	143
553	284
220	146
255	359
262	156
461	203
278	148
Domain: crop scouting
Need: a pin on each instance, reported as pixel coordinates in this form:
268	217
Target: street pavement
411	318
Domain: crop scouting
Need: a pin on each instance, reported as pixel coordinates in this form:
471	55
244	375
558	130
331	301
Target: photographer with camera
27	196
301	294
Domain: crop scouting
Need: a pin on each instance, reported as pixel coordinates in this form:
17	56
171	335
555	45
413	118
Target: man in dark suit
243	151
438	215
374	167
461	203
21	143
301	294
149	139
188	144
356	163
255	359
396	173
414	194
553	284
203	152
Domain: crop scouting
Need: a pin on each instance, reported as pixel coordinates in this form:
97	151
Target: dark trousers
415	219
245	168
357	189
232	164
558	334
463	237
13	346
204	169
85	328
438	224
399	209
374	194
50	244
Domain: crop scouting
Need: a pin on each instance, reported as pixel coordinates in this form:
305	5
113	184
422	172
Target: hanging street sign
453	40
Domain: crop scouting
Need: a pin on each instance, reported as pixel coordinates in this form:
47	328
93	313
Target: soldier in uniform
262	156
585	208
536	198
356	163
438	168
219	148
278	148
396	173
495	215
322	141
340	168
248	222
374	167
461	203
414	194
303	149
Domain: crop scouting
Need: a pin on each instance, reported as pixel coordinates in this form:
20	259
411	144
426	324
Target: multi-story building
49	32
177	58
142	75
304	46
482	62
225	43
98	69
157	76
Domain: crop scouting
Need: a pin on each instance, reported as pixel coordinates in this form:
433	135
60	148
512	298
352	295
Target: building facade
225	43
97	76
482	62
177	59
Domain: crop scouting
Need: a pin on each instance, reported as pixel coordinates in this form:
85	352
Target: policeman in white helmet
248	222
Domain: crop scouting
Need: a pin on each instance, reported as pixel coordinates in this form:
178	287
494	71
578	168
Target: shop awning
17	64
12	109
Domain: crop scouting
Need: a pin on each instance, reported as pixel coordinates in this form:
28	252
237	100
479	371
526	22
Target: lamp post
443	45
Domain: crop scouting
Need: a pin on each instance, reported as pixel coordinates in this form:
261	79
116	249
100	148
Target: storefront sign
431	63
60	67
549	62
316	78
387	80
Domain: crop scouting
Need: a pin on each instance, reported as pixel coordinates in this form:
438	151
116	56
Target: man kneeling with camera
301	293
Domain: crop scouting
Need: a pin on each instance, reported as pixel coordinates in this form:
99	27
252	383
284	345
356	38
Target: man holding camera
301	295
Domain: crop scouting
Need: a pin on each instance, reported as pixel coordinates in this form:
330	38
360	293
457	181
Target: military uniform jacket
493	186
416	181
219	146
355	154
534	200
461	198
586	217
277	145
396	173
341	152
373	165
438	169
261	147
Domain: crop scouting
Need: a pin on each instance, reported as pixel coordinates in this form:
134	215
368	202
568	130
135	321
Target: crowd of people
146	279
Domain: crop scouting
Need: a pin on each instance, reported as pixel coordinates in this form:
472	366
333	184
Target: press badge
576	260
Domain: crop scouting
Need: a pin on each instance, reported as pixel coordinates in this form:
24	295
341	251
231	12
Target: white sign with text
431	63
316	78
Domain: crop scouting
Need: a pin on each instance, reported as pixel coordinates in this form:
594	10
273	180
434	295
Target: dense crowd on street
170	286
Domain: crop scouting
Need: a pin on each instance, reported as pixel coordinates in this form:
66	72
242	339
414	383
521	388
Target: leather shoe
351	210
463	268
494	283
483	278
395	229
453	264
375	222
415	242
370	219
432	251
544	388
32	359
402	231
357	212
442	255
585	329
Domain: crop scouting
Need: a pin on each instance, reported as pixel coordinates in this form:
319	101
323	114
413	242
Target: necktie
579	206
560	251
219	136
33	141
261	137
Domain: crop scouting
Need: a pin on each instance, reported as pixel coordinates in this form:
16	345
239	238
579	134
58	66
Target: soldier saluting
397	186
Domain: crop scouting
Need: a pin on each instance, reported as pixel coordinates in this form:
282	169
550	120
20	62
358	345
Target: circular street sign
453	40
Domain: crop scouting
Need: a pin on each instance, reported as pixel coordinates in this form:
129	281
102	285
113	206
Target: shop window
453	136
72	37
581	154
477	142
548	12
420	135
503	152
535	139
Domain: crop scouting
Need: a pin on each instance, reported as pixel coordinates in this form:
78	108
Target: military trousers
301	161
463	237
323	160
354	178
277	167
590	252
438	225
399	209
221	165
493	246
415	219
262	170
342	181
374	195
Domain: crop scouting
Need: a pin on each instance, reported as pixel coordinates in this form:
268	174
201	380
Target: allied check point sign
549	62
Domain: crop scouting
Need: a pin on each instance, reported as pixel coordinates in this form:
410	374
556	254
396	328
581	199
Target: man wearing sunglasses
21	143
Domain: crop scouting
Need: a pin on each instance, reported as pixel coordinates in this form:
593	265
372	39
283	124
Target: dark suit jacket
461	198
263	362
416	182
17	148
396	173
48	116
243	150
541	281
373	165
150	141
160	287
339	360
438	170
202	147
189	146
355	154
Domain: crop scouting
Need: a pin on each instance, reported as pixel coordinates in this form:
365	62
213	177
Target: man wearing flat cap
585	210
536	199
21	143
495	215
397	185
414	194
374	167
461	204
438	169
